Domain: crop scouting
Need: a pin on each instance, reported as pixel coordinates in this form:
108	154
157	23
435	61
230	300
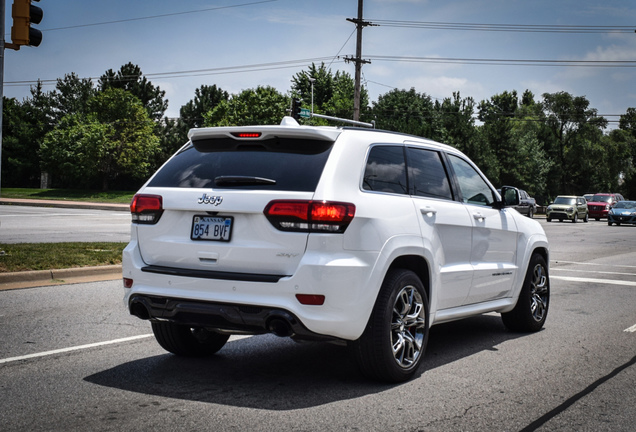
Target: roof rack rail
353	122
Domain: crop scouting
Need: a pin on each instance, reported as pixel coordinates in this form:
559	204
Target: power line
158	16
523	28
303	62
195	72
513	62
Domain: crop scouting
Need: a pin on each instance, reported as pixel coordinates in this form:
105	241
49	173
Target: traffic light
24	14
295	109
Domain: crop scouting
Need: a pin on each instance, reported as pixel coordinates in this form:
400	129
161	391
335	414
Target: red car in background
601	203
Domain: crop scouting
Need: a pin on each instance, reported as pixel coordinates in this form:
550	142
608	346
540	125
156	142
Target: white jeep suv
323	233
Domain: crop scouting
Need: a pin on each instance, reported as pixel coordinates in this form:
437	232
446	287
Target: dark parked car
622	212
601	203
527	205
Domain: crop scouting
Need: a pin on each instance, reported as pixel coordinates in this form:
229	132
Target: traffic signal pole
23	14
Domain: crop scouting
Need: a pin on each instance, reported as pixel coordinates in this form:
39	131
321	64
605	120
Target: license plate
215	228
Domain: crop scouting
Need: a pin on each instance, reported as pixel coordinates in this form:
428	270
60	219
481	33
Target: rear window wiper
242	181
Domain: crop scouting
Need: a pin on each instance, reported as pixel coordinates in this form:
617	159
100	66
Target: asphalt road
26	224
72	359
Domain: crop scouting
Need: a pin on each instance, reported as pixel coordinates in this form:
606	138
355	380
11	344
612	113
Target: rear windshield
274	164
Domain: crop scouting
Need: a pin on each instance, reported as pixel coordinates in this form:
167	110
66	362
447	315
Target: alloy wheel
408	327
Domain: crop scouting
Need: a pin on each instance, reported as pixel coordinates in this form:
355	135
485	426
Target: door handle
428	211
478	217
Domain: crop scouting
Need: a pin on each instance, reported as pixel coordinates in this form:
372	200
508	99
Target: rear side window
386	170
427	176
275	164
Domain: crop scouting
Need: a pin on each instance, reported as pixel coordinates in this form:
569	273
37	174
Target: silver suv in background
335	234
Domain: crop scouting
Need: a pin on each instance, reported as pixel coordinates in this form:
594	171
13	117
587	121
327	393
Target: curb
30	279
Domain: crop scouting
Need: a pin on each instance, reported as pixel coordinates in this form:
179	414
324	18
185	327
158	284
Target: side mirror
510	196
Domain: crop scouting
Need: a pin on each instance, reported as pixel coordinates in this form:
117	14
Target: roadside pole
2	20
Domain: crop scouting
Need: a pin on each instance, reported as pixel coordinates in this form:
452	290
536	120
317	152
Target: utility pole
360	24
2	11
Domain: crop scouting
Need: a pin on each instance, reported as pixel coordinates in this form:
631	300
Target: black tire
531	213
598	219
393	343
586	218
575	218
548	220
531	310
609	223
187	341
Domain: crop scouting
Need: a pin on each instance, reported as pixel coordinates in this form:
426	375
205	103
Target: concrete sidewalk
30	279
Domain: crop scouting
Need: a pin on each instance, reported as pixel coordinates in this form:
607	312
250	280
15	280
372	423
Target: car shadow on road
271	373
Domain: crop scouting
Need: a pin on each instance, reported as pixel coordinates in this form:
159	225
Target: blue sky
240	44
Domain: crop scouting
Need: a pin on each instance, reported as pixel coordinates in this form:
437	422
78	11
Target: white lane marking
632	329
93	345
599	281
75	348
591	264
591	271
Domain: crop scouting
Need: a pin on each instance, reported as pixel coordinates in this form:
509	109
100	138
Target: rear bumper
246	303
226	317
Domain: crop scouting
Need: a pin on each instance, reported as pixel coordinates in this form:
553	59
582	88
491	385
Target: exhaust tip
139	310
280	327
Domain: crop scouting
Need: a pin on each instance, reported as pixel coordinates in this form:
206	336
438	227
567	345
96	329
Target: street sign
304	113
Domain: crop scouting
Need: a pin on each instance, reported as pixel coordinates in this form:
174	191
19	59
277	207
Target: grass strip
116	197
50	256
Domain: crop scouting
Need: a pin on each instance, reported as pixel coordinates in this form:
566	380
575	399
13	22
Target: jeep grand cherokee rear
335	234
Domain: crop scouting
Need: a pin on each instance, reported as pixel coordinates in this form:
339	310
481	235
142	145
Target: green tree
497	115
71	95
130	78
20	162
341	103
456	124
323	87
406	111
332	94
115	137
627	121
206	98
260	106
627	134
574	144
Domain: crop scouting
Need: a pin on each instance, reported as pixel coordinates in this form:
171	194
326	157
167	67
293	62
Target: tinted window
277	164
385	170
427	176
473	187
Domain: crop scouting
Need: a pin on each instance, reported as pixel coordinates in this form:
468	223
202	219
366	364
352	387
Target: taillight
310	216
146	209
